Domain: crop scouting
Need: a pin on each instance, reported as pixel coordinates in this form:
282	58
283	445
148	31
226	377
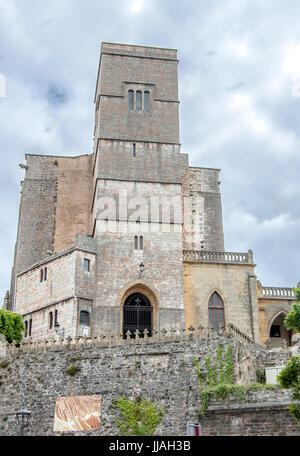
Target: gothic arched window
216	311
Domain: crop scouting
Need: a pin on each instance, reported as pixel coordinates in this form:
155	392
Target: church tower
138	176
102	237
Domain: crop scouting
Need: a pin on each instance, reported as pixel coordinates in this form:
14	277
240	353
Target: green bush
292	320
139	417
289	377
11	326
72	369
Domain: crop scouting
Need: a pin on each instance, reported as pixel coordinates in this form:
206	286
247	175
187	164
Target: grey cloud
56	95
236	86
259	176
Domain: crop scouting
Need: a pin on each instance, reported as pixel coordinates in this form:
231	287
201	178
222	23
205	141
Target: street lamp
23	419
59	332
142	267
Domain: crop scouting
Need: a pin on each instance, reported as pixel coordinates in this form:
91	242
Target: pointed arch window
216	311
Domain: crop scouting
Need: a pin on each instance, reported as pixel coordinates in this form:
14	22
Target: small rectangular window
86	265
30	326
45	274
134	149
41	275
26	328
55	317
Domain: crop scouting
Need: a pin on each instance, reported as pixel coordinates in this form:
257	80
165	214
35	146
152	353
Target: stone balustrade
277	292
203	256
109	340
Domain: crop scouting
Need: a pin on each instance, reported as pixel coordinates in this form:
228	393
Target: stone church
130	237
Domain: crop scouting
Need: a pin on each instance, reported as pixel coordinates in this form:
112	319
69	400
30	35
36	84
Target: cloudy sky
239	86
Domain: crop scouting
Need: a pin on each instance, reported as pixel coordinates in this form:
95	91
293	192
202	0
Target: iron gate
137	317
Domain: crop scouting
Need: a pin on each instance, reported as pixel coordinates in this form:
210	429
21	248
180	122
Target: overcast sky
239	87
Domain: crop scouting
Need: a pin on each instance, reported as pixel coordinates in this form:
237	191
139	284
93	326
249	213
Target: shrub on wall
139	418
11	326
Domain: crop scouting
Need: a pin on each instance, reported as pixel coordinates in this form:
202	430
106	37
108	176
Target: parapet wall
159	368
163	371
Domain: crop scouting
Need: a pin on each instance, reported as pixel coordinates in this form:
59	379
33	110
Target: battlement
116	339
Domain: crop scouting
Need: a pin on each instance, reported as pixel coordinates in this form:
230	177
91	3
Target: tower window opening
139	100
141	243
136	242
134	149
146	101
131	99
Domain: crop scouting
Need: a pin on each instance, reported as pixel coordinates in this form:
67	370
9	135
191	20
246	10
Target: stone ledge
258	406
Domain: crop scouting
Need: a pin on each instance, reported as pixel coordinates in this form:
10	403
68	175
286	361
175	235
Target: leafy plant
261	375
4	364
289	377
11	326
72	369
139	417
292	320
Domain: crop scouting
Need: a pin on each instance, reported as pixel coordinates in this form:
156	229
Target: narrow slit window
134	149
139	100
141	243
26	328
50	320
45	274
146	101
41	275
131	99
30	327
136	242
55	317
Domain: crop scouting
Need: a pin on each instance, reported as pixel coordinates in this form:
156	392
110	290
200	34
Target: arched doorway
278	333
137	314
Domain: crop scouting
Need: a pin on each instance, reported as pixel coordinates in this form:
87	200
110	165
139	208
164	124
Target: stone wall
162	370
263	414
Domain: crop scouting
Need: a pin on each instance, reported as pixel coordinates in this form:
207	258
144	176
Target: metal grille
137	315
